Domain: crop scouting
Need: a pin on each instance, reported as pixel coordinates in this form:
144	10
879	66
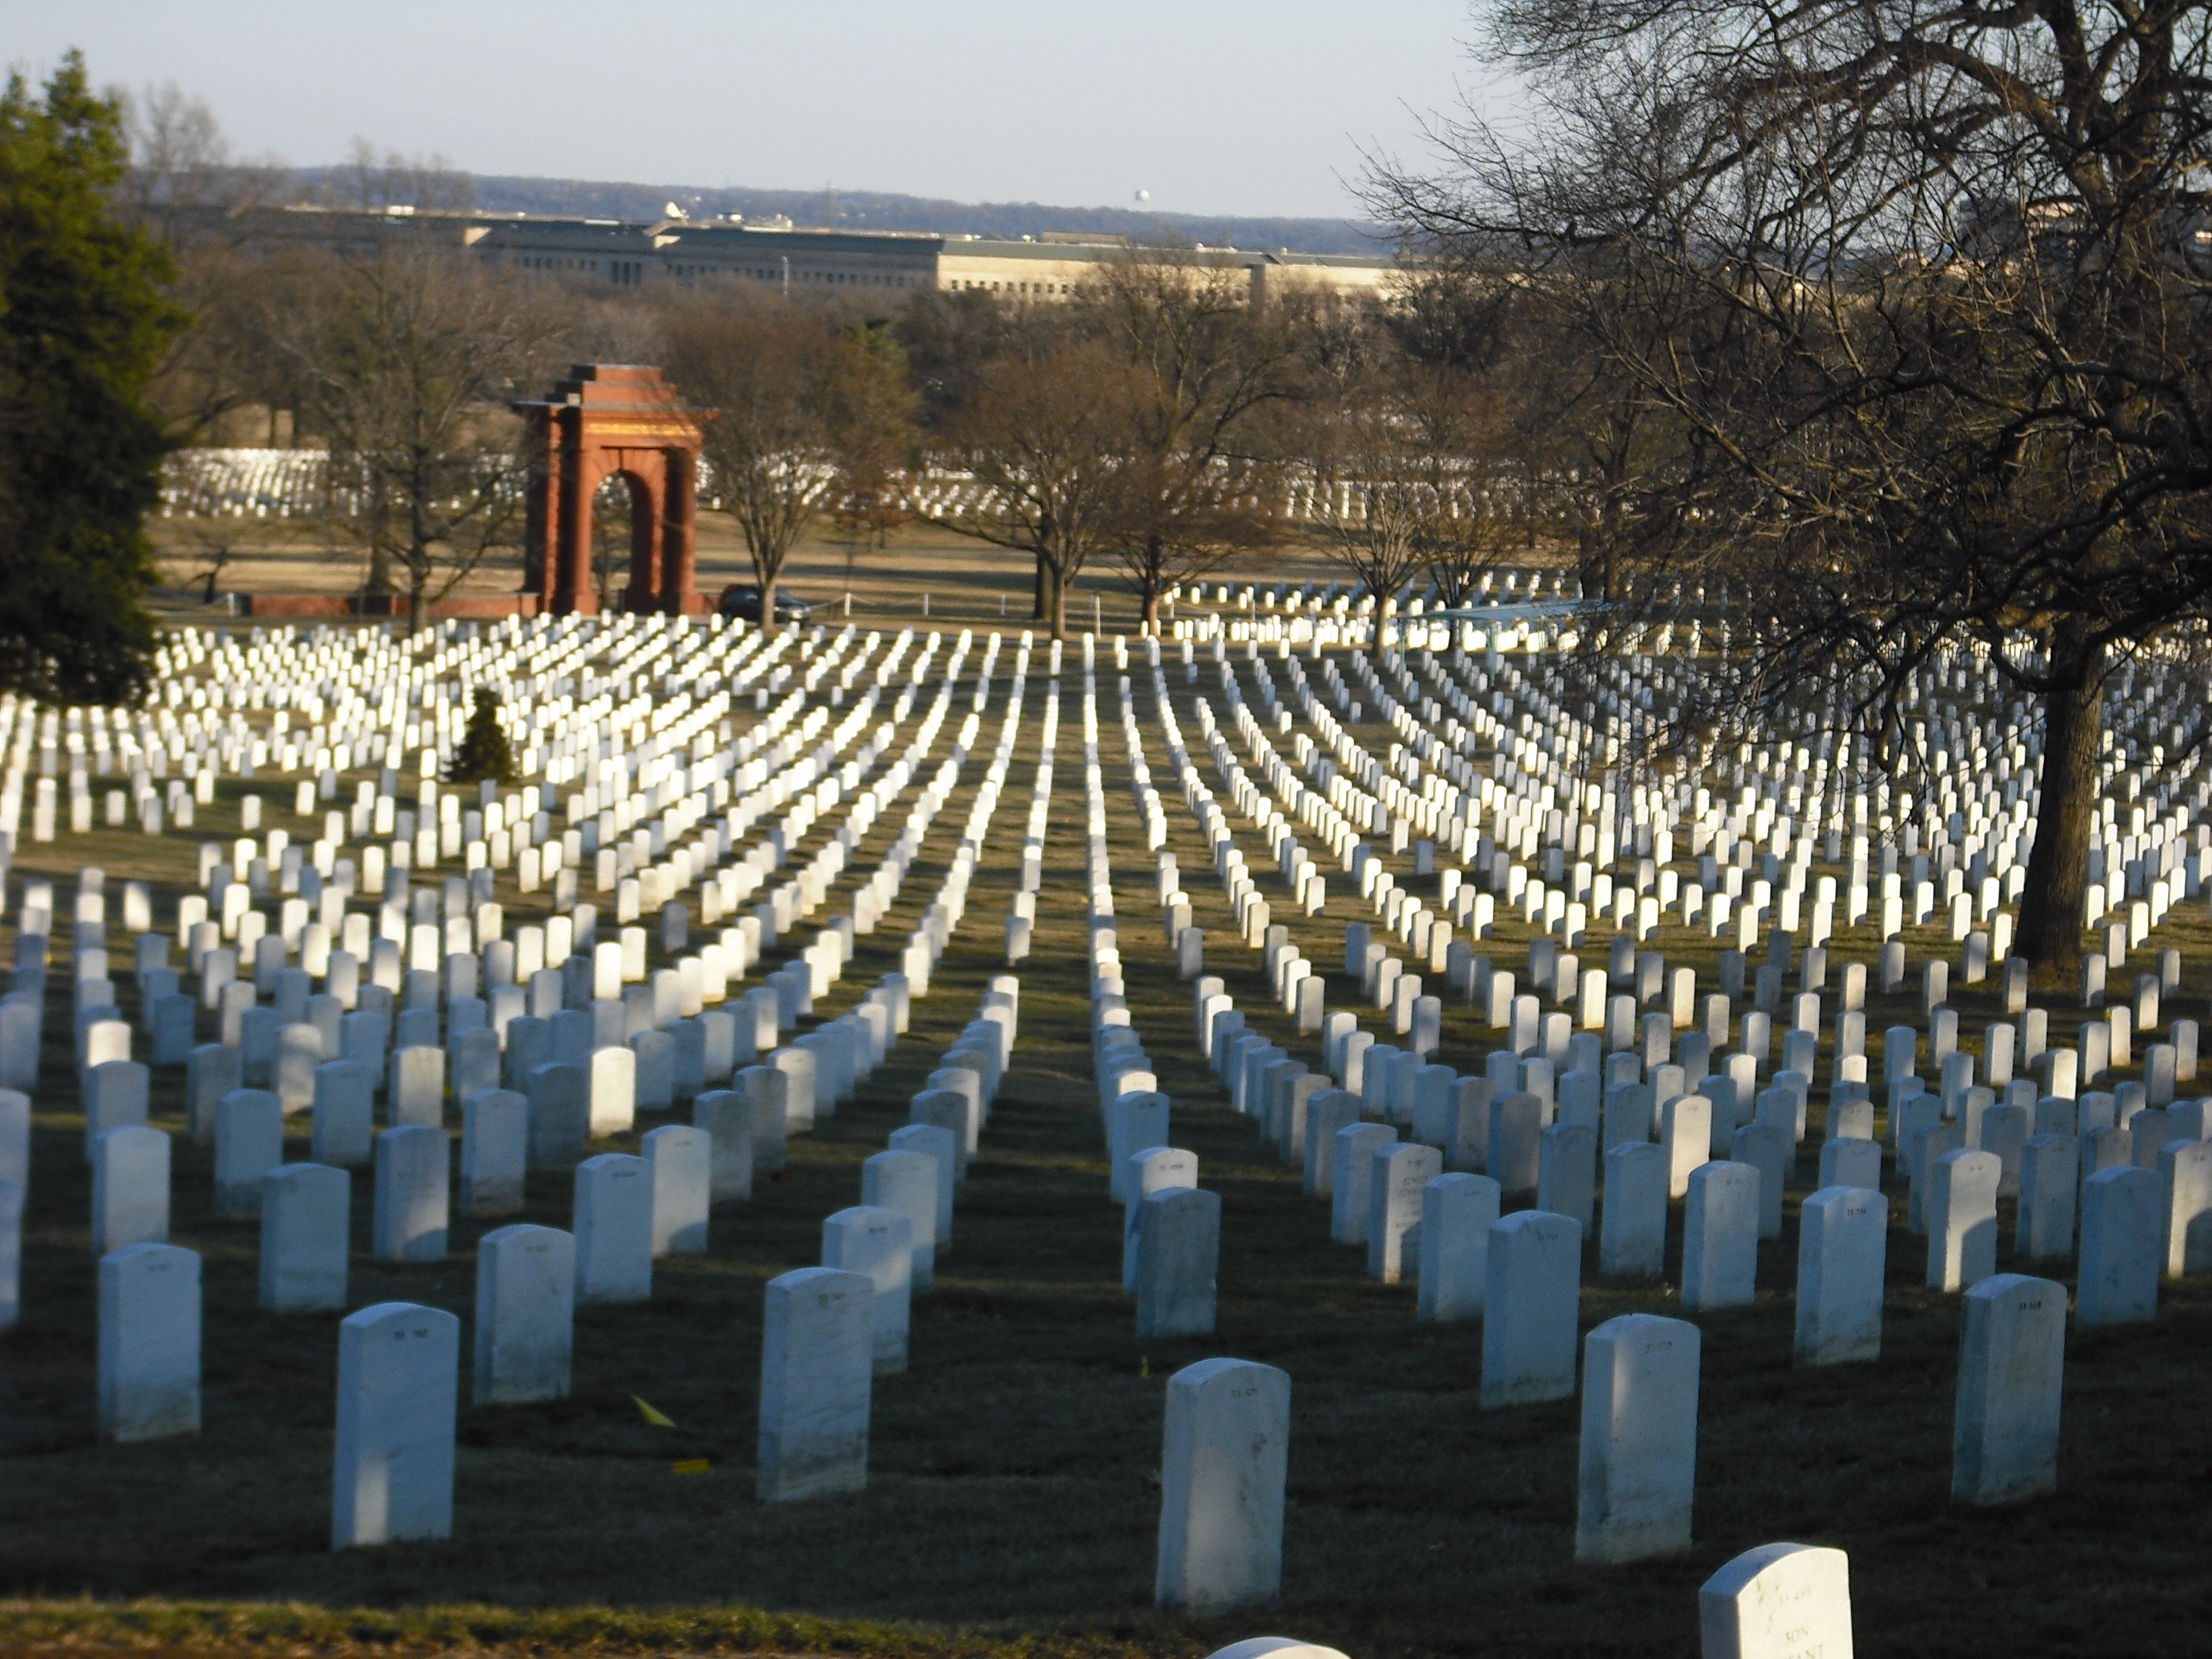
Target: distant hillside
862	209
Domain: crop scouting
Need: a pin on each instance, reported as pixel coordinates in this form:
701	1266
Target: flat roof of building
726	234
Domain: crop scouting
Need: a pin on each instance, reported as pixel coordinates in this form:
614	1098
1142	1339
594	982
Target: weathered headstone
560	1115
613	1229
2048	1174
1777	1601
115	1094
877	1244
130	1189
411	1210
149	1341
1327	1114
494	1152
681	1161
414	1090
1457	1212
1515	1151
907	1182
767	1092
525	1315
2122	1246
1962	1219
1396	1176
1178	1255
170	1021
475	1059
211	1071
1686	1133
612	1093
305	1229
727	1116
2004	1131
1531	1292
1133	1120
801	1094
1720	1236
249	1142
1767	1148
1224	1460
816	1373
398	1388
1633	1224
2185	1167
1352	1180
292	1075
1843	1241
954	1111
940	1146
653	1065
1639	1438
2004	1440
1567	1177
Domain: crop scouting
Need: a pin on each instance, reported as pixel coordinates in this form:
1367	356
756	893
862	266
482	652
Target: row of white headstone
829	1331
1386	1195
1171	1226
216	1106
899	1186
2186	1192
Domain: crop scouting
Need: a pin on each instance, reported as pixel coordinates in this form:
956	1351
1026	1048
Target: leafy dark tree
947	337
84	324
485	754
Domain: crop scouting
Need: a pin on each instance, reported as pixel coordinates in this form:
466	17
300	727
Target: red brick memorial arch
612	420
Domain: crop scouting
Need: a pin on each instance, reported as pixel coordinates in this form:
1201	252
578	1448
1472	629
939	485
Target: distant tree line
1156	427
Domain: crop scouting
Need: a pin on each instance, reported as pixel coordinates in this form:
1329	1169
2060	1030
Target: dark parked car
745	604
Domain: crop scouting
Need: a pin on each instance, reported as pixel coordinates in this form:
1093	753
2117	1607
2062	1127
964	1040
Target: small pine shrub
484	753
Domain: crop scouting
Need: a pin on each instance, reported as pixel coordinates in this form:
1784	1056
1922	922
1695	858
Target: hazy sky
1243	107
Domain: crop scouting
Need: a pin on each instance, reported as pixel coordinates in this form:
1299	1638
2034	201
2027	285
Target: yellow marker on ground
656	1419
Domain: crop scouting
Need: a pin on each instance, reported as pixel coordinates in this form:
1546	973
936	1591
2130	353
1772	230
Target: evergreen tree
84	326
484	752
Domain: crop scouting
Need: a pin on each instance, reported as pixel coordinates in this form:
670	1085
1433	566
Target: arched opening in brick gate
624	541
611	421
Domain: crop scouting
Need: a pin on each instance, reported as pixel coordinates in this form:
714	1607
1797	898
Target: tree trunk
2058	866
1056	622
768	586
1041	597
1151	625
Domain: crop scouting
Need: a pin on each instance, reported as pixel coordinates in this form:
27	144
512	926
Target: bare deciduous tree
1917	291
410	355
1204	368
382	182
805	413
187	188
1043	440
1374	488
